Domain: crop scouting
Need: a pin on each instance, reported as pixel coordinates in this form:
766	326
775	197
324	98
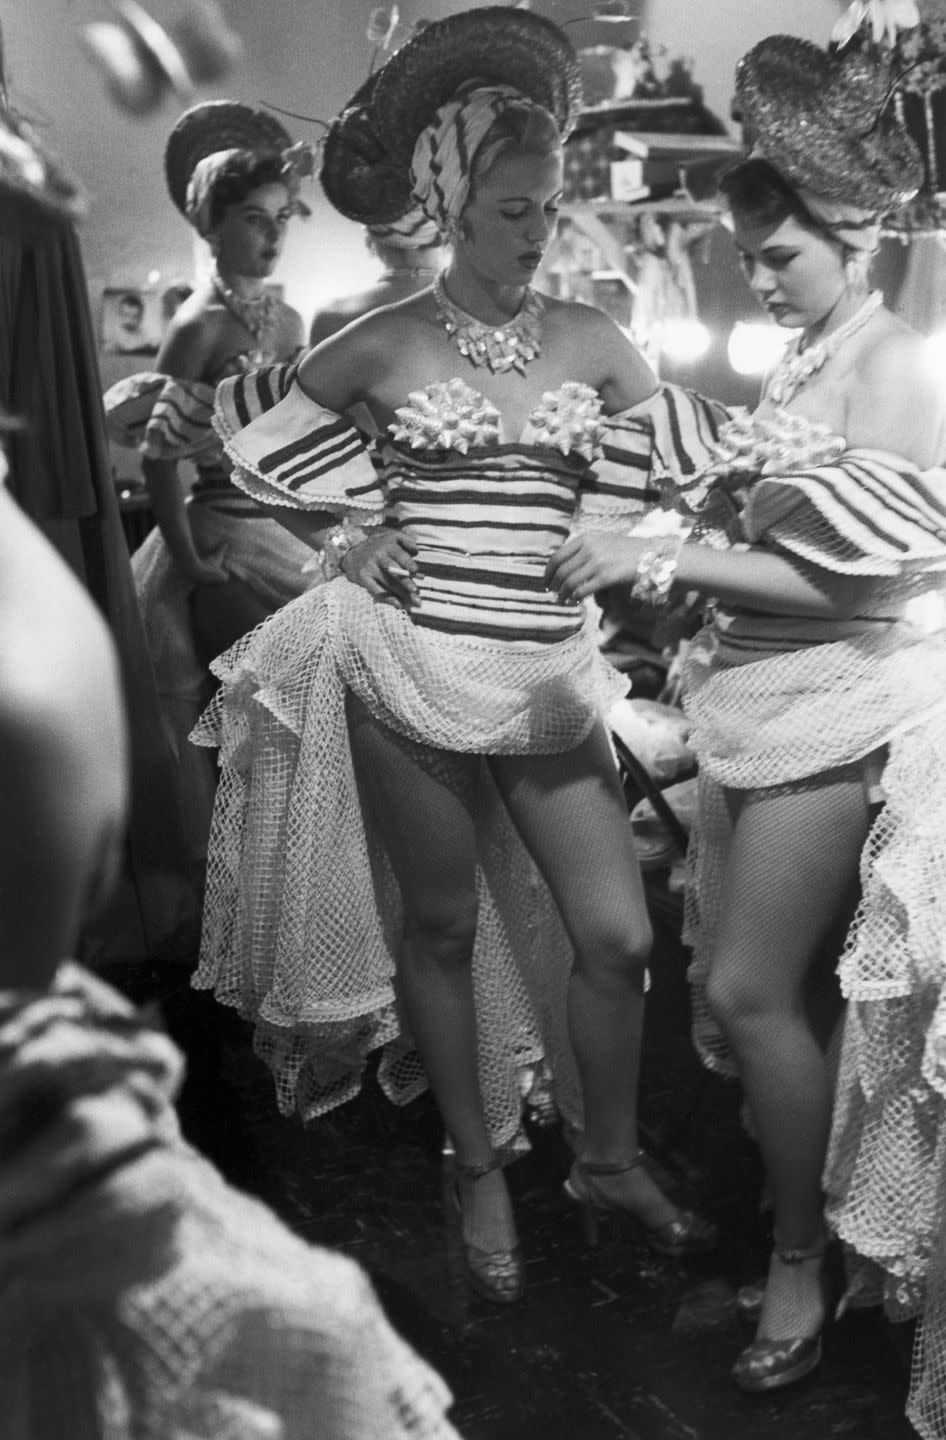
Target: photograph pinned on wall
132	322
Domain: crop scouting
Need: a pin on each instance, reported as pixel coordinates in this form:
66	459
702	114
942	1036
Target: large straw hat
358	175
822	119
212	126
497	44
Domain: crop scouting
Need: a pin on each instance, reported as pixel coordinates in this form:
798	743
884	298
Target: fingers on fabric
567	573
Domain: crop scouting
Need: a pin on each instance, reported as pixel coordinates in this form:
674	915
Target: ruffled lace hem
303	915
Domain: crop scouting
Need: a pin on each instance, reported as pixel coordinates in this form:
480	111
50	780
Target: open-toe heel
686	1235
771	1364
496	1275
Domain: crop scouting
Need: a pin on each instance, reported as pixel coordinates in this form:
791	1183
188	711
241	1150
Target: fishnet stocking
787	888
572	817
422	801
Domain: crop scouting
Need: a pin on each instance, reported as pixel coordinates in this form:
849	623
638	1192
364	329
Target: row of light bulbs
754	346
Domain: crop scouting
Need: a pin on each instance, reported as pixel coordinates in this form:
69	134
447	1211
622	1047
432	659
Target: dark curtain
61	475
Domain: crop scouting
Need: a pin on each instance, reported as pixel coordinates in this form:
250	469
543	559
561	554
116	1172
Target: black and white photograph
473	720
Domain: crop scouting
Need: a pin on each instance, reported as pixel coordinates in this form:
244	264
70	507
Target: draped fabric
143	1298
61	476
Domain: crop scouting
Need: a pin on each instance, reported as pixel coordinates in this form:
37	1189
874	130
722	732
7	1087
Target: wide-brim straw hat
497	44
212	126
823	120
359	176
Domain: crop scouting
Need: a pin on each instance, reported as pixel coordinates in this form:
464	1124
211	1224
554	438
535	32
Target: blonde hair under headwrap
442	164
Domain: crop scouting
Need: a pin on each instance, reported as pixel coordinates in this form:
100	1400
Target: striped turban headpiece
442	164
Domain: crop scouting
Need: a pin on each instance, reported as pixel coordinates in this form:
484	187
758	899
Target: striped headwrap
443	156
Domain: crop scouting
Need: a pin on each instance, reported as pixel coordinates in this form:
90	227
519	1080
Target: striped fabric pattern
683	427
288	450
487	518
166	419
869	513
622	480
485	524
442	163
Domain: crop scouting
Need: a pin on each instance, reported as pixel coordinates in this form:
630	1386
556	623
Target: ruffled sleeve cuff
867	513
165	419
286	449
658	444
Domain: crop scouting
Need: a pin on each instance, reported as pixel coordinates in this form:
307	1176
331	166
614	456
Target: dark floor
611	1345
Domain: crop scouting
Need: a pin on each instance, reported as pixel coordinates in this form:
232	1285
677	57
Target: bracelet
335	545
657	569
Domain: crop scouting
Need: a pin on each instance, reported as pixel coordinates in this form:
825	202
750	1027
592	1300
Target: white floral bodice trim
451	415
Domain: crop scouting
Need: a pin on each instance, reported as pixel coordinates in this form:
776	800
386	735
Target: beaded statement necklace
798	365
257	316
501	347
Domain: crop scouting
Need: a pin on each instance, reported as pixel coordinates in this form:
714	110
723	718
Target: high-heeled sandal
496	1275
772	1364
688	1234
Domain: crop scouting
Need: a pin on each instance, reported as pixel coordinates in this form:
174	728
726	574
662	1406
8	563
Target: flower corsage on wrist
657	569
334	545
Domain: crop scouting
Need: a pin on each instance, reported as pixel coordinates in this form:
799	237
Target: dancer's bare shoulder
897	401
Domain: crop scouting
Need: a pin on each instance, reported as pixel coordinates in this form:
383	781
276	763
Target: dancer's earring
856	267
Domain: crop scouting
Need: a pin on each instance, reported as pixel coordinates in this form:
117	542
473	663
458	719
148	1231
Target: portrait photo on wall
132	322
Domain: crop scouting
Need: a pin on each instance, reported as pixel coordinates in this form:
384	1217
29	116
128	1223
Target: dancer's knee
736	998
612	951
441	934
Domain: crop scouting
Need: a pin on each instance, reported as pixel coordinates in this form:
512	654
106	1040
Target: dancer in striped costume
215	564
420	844
817	696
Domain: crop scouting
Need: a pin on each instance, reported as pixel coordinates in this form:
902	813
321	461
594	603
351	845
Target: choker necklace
502	347
411	272
257	316
797	366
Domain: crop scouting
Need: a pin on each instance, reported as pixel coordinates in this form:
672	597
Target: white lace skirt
303	915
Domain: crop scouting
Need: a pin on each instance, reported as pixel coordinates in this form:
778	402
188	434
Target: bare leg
790	872
421	800
572	817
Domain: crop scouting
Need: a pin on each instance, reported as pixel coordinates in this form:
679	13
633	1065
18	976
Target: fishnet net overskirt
885	1176
303	916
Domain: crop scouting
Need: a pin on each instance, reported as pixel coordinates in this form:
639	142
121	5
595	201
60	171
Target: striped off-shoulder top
485	509
172	419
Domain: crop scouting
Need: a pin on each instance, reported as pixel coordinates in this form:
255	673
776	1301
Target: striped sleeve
867	513
286	449
165	419
662	442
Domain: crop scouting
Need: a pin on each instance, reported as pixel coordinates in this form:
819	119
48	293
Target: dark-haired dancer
818	701
216	566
